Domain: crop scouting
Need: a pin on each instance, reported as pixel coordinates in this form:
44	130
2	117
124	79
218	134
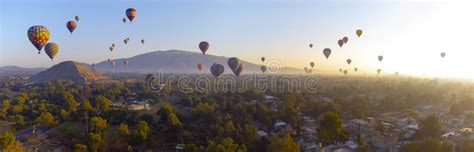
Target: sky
409	34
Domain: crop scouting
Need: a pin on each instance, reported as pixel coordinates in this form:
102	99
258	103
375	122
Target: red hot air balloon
71	25
340	42
203	46
38	36
131	13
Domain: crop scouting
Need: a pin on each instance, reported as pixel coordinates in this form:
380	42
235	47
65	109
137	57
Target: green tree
285	145
102	103
123	130
98	124
86	106
7	138
95	141
142	130
331	130
430	126
46	119
70	101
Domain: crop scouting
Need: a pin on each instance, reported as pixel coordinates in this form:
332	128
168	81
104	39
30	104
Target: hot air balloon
143	41
349	61
263	59
93	65
233	63
77	18
345	39
380	58
124	20
71	25
111	49
345	72
378	71
125	41
310	45
112	63
51	49
200	66
131	13
128	39
113	44
217	69
239	69
327	52
340	70
311	64
263	68
355	69
340	42
203	46
359	32
443	54
38	36
108	60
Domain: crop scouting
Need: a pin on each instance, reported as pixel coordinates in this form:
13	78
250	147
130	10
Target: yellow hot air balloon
51	50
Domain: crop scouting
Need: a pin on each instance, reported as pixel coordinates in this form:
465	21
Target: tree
98	124
64	114
71	101
7	138
95	141
15	147
285	145
80	148
46	119
102	103
142	130
330	129
430	126
123	130
428	144
86	106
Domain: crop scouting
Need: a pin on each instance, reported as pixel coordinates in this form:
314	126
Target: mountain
177	61
14	70
69	70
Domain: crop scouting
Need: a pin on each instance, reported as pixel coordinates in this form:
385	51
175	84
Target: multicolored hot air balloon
310	45
239	69
311	64
51	49
263	68
380	57
262	59
359	32
340	42
443	54
233	63
77	18
217	69
131	13
349	61
71	25
327	52
345	39
200	66
38	36
203	46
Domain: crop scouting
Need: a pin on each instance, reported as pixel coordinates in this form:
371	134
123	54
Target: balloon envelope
239	69
310	45
311	64
263	68
349	61
359	32
217	69
380	58
51	49
77	18
131	13
327	52
200	66
340	42
124	20
38	36
263	59
203	46
443	54
379	70
71	25
345	72
345	39
233	63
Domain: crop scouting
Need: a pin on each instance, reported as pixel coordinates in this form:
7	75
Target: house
262	134
384	142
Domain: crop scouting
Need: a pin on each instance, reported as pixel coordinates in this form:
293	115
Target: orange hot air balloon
71	26
38	36
327	52
340	42
131	13
359	32
200	66
203	46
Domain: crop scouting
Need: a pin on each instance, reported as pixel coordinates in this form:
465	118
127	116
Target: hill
68	70
177	61
14	70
